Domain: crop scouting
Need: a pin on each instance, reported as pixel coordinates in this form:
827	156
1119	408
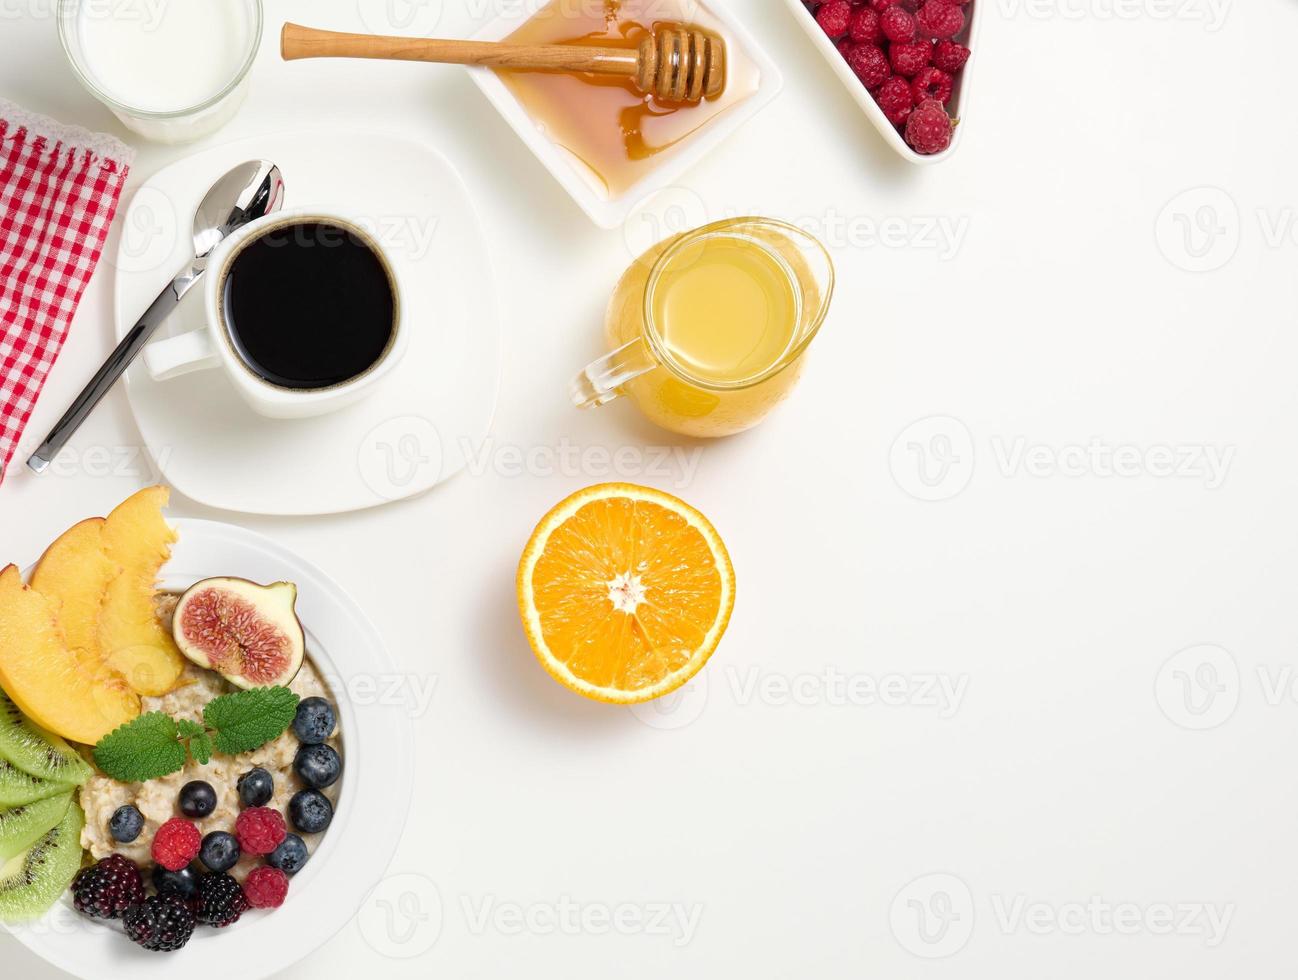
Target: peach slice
138	540
45	679
75	572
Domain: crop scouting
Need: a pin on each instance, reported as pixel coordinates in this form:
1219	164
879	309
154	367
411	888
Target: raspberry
949	56
265	888
895	100
844	45
897	24
928	130
881	5
260	829
176	844
833	17
910	59
161	924
864	28
869	63
220	901
931	83
940	19
107	889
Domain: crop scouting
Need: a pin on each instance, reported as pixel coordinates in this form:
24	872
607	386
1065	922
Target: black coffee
308	305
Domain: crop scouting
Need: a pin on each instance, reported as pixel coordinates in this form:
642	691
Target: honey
614	130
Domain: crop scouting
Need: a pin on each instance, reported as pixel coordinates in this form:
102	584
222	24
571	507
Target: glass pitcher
706	330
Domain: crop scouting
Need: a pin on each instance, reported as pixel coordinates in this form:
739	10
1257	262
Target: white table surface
1057	334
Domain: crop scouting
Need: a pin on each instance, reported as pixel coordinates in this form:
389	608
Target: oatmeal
157	799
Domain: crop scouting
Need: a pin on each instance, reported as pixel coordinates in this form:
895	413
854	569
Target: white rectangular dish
584	188
957	107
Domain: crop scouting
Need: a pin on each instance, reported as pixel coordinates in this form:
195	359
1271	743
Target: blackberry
107	889
160	923
220	900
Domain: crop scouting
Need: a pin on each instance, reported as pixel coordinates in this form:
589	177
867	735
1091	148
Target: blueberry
197	799
220	851
315	721
256	787
182	883
311	811
290	856
318	765
125	824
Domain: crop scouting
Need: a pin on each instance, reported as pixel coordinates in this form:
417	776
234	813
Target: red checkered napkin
59	187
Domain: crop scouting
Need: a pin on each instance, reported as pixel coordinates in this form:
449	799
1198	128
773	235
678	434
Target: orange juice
707	328
726	308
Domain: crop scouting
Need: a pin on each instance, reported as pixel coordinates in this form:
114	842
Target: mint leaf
200	747
144	748
188	728
246	720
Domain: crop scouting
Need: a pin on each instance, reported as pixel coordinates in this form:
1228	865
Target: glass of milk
171	70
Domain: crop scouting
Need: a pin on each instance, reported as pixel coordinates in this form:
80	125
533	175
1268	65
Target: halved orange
624	592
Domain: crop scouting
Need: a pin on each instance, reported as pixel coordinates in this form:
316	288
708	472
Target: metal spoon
247	192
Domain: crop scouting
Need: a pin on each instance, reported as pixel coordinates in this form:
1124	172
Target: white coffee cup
212	346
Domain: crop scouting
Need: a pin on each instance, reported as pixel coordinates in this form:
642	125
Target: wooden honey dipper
675	64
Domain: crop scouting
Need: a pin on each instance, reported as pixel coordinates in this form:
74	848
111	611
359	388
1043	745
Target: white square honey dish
610	210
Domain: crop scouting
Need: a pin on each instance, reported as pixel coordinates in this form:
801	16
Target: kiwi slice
18	788
28	747
33	881
23	826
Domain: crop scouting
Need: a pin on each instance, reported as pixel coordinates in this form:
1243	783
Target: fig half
247	633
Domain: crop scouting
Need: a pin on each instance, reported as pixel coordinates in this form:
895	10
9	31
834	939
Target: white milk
163	55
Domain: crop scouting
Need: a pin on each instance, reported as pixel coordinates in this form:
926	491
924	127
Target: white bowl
606	211
957	107
373	802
